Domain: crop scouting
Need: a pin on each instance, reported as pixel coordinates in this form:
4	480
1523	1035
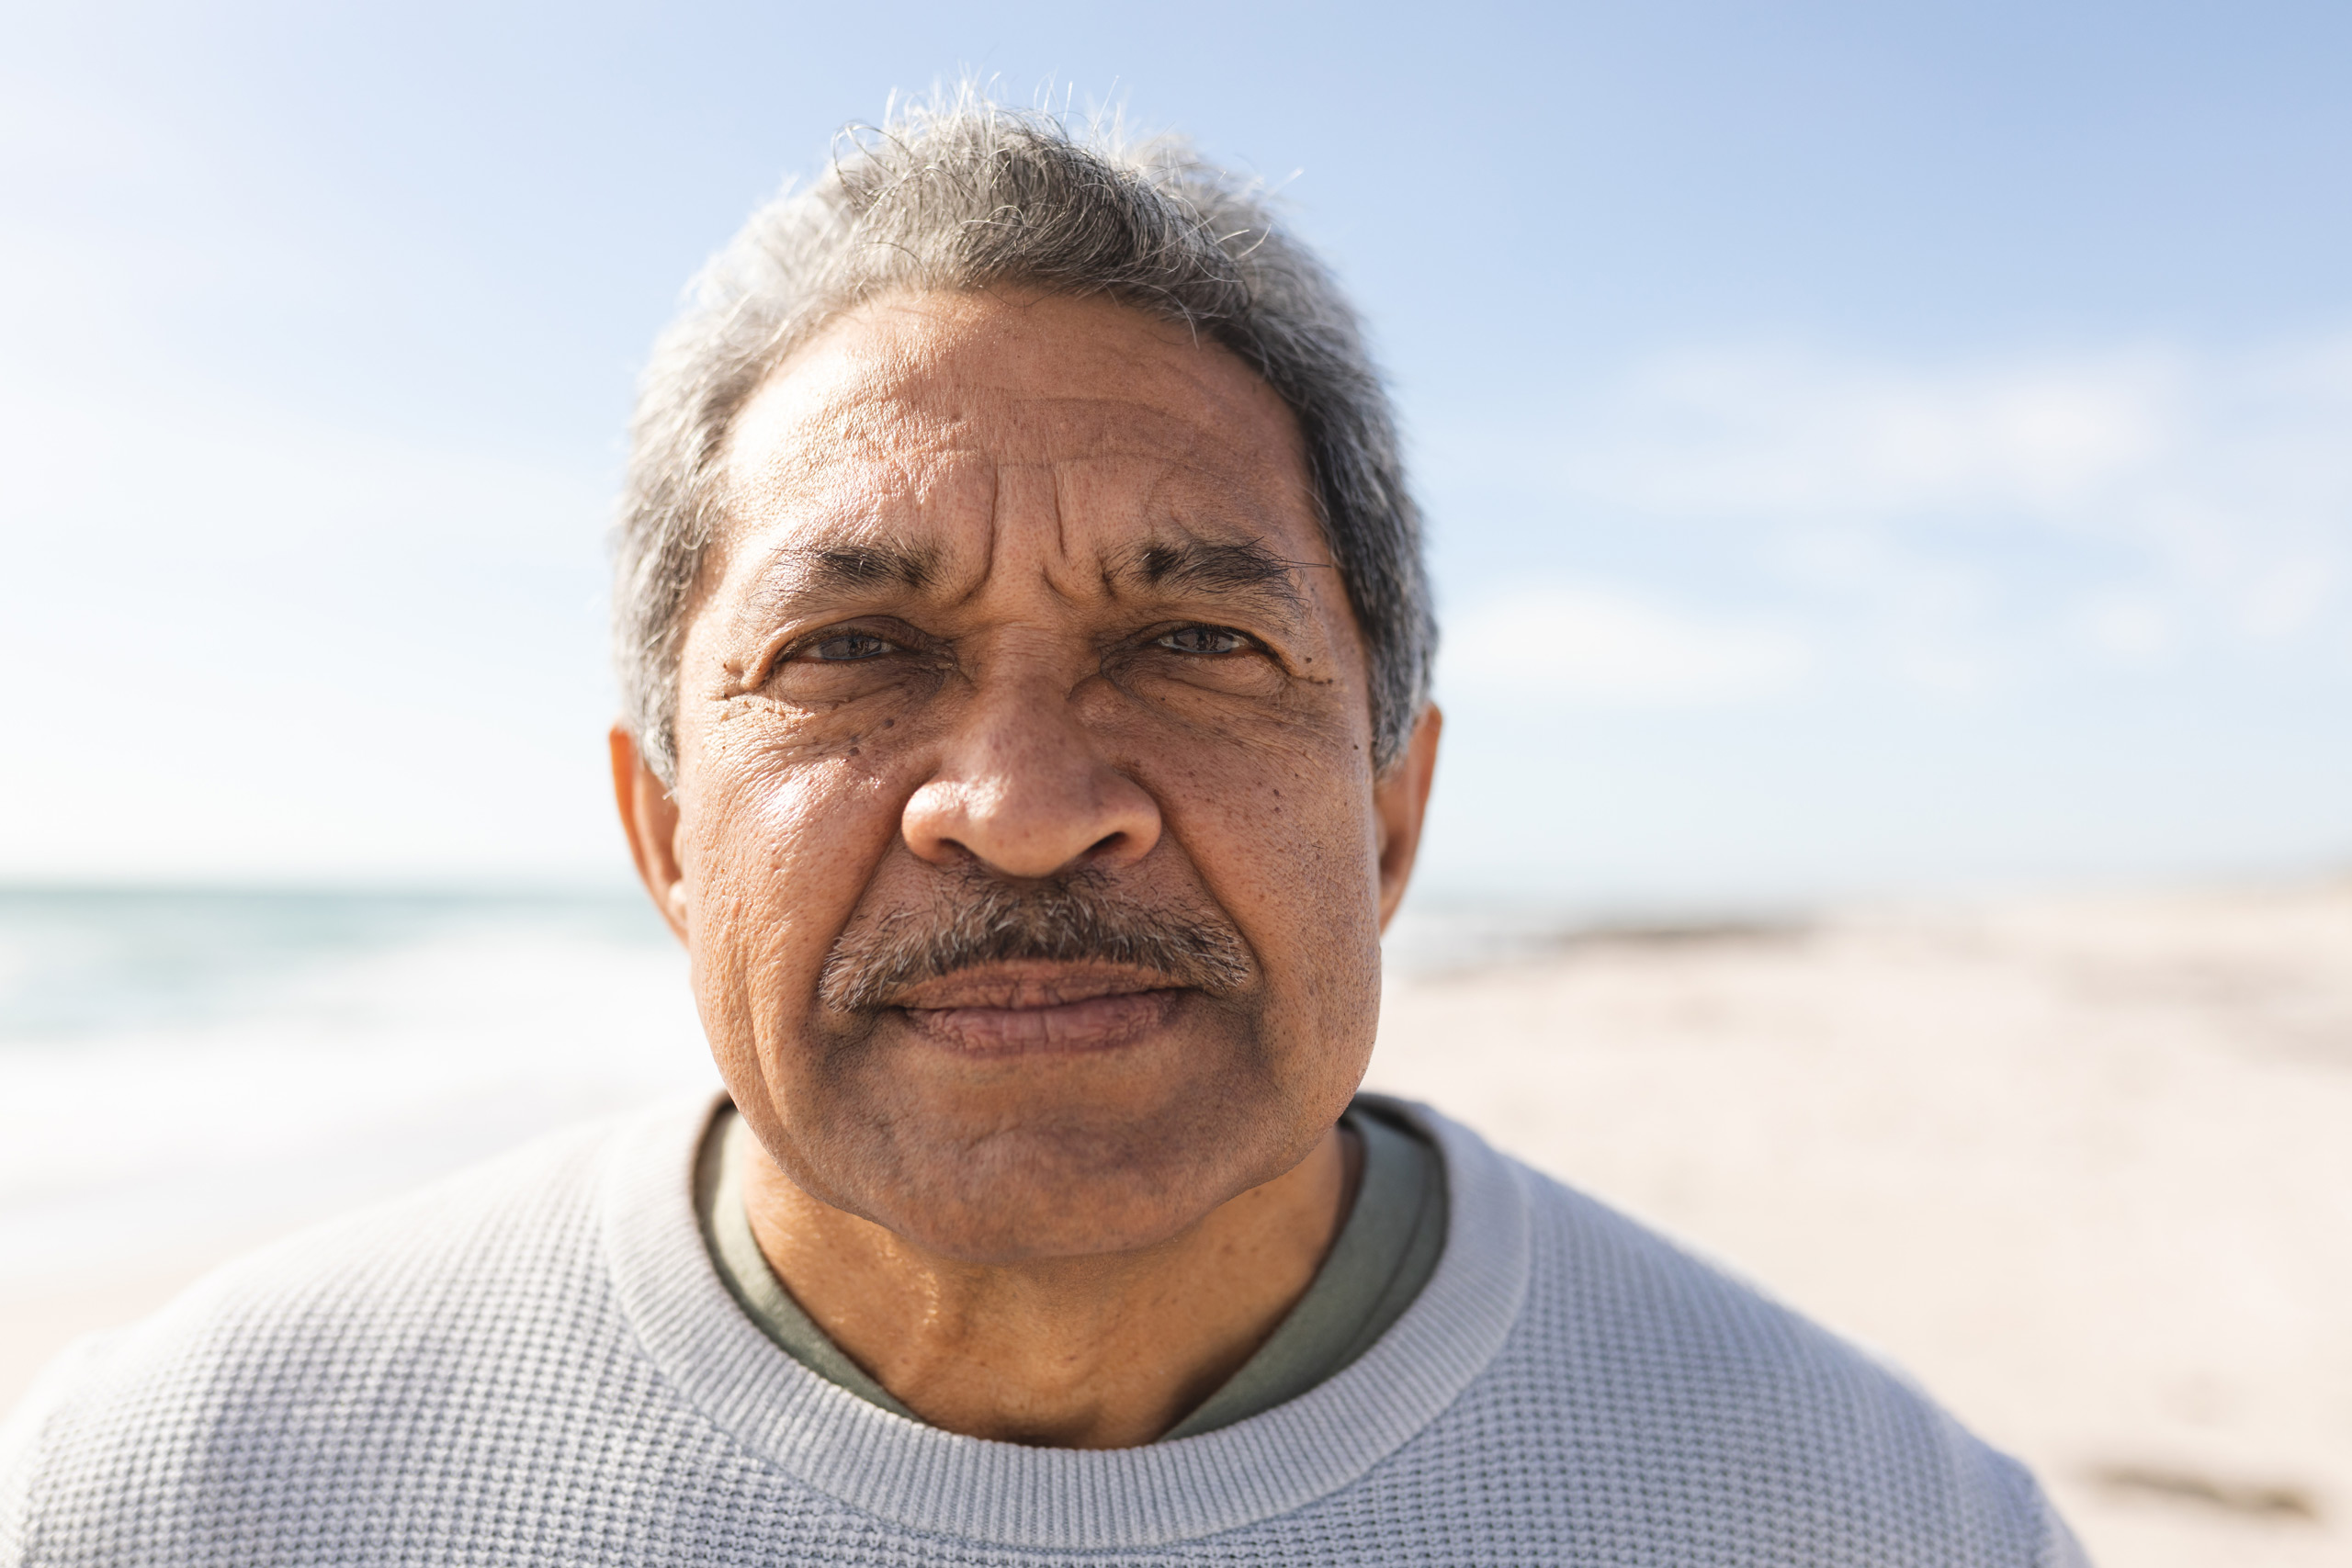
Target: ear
1400	796
650	817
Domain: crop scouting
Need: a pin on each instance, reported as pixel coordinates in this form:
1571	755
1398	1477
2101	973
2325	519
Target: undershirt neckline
1386	1251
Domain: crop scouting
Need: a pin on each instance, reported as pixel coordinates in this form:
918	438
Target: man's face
1027	839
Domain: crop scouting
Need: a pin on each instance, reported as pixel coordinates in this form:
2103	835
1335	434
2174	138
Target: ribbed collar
1008	1495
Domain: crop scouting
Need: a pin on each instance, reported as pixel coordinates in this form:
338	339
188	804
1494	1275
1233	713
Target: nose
1024	790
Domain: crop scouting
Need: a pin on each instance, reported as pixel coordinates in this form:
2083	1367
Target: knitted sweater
534	1363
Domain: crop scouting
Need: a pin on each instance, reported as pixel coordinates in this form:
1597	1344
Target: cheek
766	802
1282	833
776	853
1244	811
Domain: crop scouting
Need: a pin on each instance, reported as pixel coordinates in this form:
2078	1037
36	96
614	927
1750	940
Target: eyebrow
1246	569
847	568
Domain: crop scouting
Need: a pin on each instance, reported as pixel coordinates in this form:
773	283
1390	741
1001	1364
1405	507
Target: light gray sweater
536	1363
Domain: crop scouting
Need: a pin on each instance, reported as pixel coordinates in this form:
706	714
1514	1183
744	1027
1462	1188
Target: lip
1019	1008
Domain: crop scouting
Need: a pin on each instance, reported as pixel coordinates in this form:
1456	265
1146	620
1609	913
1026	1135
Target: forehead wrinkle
886	448
861	426
992	528
1061	475
1237	559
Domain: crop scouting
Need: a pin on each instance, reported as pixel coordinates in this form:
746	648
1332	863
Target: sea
182	1072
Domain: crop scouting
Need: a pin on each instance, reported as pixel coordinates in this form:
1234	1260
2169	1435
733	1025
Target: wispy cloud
1954	522
1800	436
1599	644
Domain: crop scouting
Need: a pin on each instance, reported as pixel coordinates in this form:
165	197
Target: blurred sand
2084	1168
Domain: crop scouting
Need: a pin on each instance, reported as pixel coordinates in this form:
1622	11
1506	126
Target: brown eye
848	647
1202	640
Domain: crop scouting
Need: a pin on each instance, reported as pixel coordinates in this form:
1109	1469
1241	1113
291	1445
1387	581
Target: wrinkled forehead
958	426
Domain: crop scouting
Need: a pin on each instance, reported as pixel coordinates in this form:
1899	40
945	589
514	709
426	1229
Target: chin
1060	1177
1021	1223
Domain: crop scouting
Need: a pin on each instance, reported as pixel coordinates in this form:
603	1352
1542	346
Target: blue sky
1866	448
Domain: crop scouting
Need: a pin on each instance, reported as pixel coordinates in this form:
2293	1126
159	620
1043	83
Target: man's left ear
1401	795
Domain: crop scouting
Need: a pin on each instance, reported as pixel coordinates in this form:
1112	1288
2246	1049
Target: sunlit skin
1030	585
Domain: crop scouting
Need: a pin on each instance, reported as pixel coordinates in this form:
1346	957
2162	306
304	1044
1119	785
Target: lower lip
1095	1024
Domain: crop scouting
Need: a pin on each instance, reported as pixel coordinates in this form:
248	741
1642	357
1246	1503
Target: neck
1096	1352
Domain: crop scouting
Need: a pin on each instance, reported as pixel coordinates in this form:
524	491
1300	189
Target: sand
2083	1167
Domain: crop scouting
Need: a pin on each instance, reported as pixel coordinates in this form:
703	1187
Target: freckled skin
1044	1202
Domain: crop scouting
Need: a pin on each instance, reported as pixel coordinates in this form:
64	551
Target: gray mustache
1072	919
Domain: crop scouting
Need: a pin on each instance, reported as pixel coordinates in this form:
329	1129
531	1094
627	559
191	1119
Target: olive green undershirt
1378	1263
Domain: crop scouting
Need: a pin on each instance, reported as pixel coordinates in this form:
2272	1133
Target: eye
1201	640
847	648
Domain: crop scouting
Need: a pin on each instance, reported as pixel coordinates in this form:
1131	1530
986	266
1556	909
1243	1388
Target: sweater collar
918	1477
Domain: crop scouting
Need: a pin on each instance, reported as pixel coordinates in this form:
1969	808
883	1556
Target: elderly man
1025	647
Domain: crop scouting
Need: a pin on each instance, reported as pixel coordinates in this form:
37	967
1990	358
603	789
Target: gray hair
964	194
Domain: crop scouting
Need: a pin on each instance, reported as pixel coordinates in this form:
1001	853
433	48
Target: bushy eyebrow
808	576
1243	569
843	568
1238	570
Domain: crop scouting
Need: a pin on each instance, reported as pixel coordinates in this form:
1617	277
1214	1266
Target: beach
2078	1165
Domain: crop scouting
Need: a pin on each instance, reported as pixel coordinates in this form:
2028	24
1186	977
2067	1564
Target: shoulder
318	1356
1689	1402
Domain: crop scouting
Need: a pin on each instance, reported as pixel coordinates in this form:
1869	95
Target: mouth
1004	1009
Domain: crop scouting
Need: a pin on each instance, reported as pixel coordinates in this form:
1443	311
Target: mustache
1077	916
